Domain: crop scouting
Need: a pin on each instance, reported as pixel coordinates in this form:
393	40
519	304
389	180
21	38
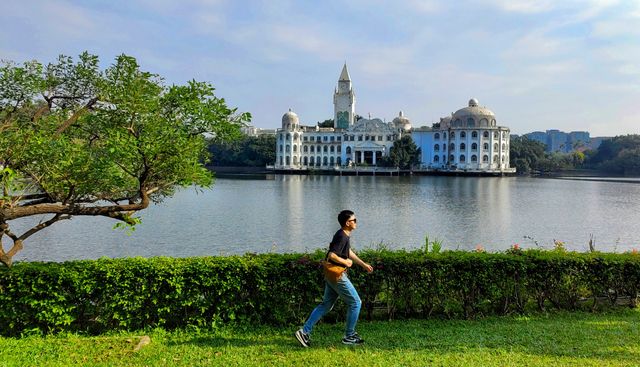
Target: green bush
95	296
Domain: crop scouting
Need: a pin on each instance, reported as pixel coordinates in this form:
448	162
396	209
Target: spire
344	75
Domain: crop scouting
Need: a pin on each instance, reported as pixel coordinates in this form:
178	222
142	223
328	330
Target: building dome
401	122
473	116
290	120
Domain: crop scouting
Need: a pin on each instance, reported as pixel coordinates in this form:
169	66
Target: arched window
493	122
339	161
453	135
461	158
311	161
444	135
463	135
281	148
485	134
326	149
470	122
474	146
444	147
502	159
281	161
318	160
474	158
503	146
288	159
333	149
436	136
485	146
436	158
484	122
451	158
325	161
495	146
332	161
474	135
495	158
287	137
287	148
295	148
452	147
305	148
295	136
348	150
436	148
339	148
463	146
305	161
495	135
485	158
457	122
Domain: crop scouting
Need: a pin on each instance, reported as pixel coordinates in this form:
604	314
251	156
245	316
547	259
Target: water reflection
298	213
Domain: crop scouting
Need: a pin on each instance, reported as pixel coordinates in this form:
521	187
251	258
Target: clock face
343	87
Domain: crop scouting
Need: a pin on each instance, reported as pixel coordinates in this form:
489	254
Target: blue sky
569	65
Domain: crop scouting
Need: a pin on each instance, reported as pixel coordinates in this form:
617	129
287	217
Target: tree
525	154
404	153
75	140
326	123
250	151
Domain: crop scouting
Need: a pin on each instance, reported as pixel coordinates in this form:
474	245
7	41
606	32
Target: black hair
344	216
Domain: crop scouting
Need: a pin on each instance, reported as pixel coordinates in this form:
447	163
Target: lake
290	213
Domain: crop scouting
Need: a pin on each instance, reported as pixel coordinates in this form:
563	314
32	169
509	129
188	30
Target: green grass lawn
557	339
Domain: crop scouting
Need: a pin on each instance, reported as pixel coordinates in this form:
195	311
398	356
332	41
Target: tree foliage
76	140
250	151
619	155
404	153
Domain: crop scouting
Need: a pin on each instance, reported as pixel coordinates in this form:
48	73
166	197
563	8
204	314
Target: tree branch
76	115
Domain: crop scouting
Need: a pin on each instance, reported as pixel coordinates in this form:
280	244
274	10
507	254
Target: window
485	134
495	158
287	137
312	149
305	161
474	146
339	138
474	158
379	137
305	138
444	147
462	158
436	158
332	161
453	135
474	135
463	135
470	122
311	161
332	139
348	150
451	158
452	147
295	148
485	146
280	148
305	149
436	148
485	158
295	136
359	137
444	135
436	136
339	161
463	146
325	161
333	149
325	138
288	159
495	135
339	148
495	146
326	149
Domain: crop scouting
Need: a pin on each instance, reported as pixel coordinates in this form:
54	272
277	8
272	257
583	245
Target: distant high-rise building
559	141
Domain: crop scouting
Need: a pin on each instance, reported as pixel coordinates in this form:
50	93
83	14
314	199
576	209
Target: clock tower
344	102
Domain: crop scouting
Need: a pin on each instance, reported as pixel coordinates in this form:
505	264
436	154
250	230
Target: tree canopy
404	153
78	140
250	151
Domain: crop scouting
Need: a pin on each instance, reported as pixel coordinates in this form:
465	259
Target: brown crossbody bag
332	272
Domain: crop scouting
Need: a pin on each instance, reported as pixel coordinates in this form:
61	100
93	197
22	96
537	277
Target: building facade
468	140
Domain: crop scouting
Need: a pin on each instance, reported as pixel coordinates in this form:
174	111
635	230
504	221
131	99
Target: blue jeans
345	290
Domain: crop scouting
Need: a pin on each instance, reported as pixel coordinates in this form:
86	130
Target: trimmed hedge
95	296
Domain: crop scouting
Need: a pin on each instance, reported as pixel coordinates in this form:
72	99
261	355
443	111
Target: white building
468	140
348	142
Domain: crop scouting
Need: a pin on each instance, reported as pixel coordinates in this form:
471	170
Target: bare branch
76	115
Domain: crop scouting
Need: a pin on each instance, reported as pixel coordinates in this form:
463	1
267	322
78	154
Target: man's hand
348	262
367	267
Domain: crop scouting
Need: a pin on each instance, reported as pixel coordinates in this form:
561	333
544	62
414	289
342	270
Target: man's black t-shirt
340	244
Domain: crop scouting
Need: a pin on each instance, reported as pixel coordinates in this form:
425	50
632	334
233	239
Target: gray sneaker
352	339
303	338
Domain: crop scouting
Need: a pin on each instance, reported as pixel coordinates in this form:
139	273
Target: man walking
339	253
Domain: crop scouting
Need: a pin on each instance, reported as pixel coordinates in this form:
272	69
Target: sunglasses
354	220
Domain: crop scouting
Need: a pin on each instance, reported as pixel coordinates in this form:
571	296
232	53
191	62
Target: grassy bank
571	339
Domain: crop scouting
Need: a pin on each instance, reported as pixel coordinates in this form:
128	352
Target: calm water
298	213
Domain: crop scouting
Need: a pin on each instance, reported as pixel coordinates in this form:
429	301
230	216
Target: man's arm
357	260
338	260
